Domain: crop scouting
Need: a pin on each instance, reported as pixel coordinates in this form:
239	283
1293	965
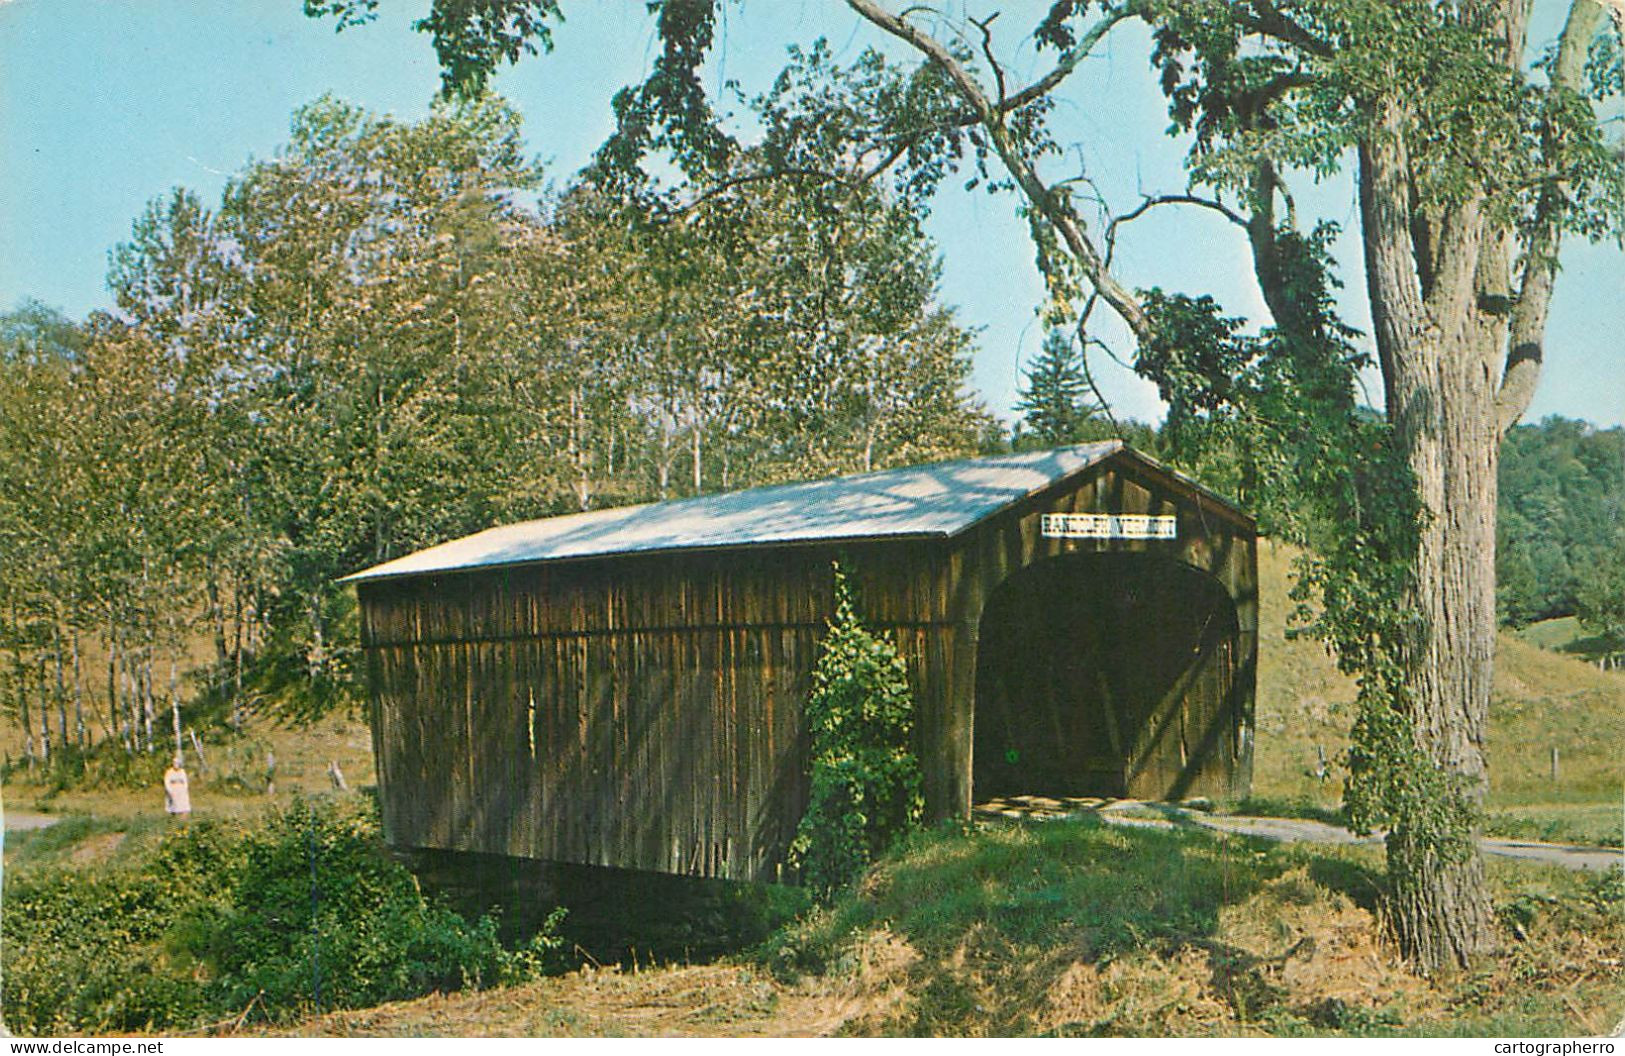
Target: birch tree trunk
146	698
175	706
80	732
61	689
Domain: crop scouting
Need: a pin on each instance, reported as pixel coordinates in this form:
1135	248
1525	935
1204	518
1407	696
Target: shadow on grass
1097	888
1593	647
995	919
1362	881
613	916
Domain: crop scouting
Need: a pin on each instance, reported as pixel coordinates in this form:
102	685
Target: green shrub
305	911
108	765
320	917
86	951
865	781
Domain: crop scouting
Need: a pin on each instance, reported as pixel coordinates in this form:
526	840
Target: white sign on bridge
1108	526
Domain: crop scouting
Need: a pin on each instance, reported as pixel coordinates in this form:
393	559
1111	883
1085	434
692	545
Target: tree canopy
1562	524
393	333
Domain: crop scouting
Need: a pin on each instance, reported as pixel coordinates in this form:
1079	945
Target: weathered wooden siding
645	711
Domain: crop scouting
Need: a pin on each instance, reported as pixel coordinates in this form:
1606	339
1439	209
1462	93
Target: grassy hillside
229	781
1565	635
1542	700
1077	929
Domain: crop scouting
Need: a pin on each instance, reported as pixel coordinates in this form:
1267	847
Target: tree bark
112	680
61	689
44	712
1438	351
237	654
175	706
23	717
695	443
80	732
1445	422
146	697
1527	349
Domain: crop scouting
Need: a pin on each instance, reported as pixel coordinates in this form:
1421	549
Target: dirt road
1286	830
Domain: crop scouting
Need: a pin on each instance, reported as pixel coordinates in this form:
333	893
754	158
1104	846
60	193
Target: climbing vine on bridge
865	790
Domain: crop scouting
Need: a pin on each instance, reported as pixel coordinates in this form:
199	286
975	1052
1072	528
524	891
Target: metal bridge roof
930	501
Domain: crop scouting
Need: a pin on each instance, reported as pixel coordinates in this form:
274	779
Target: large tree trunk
1444	419
1439	352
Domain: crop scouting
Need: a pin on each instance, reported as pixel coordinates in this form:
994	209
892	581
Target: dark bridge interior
1110	674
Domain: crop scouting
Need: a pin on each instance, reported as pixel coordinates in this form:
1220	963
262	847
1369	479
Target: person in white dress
177	796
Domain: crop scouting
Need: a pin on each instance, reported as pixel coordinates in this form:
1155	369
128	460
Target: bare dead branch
1151	202
985	27
1089	376
1052	206
1073	58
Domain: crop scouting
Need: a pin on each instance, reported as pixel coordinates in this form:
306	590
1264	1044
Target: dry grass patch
688	1001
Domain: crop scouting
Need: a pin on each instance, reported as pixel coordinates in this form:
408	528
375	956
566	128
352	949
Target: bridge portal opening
1109	675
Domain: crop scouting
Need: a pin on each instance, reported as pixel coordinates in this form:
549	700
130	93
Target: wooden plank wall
644	713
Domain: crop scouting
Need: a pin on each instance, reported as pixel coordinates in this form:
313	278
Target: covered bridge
625	687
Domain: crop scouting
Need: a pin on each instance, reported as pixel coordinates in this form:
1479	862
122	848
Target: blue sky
104	106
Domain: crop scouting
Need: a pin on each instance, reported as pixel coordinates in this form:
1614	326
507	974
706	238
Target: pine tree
1055	405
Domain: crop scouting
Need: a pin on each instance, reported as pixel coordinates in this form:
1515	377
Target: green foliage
87	951
1562	515
471	37
1322	473
213	921
1299	91
106	765
670	110
865	790
1601	598
319	917
376	341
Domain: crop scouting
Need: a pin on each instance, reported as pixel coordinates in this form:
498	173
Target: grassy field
1060	928
1565	635
231	780
1543	700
